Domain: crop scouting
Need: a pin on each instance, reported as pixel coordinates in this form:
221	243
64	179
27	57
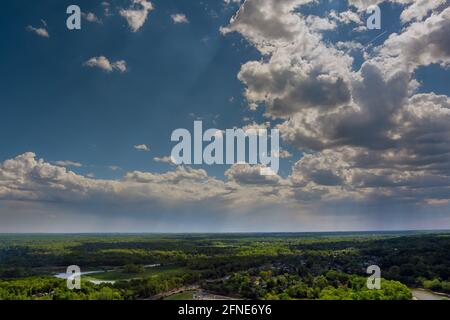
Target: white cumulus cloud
103	63
137	13
179	18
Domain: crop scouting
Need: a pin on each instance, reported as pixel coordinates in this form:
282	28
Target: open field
187	295
116	275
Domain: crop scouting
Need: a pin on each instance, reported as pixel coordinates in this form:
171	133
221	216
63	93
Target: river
64	276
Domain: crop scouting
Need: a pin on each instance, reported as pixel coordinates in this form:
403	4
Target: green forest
326	266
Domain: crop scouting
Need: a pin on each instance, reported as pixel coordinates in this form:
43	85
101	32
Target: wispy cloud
179	18
166	159
106	9
68	163
91	17
142	147
41	32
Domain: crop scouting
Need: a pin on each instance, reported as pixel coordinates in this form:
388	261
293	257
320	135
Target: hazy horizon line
227	232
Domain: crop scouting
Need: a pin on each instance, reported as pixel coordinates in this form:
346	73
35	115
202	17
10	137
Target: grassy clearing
116	275
186	295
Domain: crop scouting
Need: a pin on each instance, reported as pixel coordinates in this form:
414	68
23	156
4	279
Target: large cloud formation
301	72
367	134
27	178
368	139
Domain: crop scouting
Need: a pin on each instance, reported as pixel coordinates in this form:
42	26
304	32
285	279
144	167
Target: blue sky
95	118
84	121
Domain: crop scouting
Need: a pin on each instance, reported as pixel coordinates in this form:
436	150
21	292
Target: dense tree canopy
255	266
